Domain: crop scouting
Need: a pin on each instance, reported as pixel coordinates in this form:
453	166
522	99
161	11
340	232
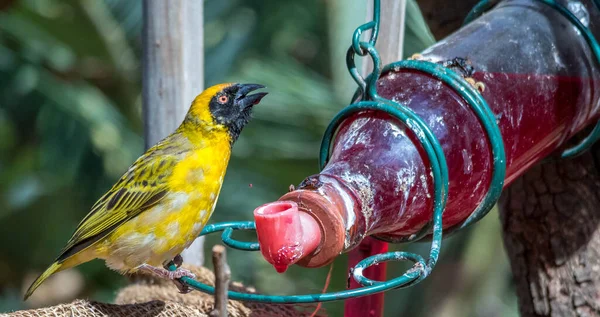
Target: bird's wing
143	186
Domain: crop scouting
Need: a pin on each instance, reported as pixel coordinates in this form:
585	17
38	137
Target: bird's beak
244	100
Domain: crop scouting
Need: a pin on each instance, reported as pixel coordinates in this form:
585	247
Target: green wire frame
371	101
371	287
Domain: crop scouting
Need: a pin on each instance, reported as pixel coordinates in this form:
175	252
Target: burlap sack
160	298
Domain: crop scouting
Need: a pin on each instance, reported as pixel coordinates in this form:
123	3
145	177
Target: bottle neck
338	209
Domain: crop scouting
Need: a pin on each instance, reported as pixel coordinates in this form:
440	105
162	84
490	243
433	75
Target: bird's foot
166	274
178	261
182	287
175	276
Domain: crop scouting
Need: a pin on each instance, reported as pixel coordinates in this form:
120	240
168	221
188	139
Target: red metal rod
372	305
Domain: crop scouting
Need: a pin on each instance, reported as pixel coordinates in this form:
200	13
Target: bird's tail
61	264
55	267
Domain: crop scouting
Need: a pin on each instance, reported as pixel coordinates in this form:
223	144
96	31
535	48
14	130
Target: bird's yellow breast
165	230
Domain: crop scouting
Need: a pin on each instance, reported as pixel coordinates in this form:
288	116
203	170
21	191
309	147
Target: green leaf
417	35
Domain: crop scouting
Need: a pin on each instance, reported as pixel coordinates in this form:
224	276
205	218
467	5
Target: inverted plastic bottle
540	80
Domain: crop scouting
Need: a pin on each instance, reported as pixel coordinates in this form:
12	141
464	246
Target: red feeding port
285	234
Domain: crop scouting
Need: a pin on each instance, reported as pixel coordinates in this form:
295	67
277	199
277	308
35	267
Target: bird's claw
182	287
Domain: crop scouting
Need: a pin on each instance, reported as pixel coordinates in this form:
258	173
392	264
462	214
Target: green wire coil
371	287
371	101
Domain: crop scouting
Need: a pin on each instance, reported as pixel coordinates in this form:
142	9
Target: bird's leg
178	261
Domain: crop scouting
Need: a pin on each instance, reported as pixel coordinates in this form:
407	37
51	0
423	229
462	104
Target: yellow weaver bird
160	205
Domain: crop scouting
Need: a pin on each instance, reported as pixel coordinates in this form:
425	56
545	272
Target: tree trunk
550	222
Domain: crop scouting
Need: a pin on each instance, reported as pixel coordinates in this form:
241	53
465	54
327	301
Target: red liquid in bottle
385	171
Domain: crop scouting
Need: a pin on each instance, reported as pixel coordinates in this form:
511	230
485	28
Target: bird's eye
223	99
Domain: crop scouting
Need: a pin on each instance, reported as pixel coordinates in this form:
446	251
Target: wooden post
222	278
389	45
173	73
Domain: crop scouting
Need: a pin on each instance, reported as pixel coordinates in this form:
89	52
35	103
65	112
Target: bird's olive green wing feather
143	186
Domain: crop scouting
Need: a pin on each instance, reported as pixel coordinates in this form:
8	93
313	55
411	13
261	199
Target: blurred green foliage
70	124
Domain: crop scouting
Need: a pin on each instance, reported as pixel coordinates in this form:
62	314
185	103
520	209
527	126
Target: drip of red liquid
280	268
